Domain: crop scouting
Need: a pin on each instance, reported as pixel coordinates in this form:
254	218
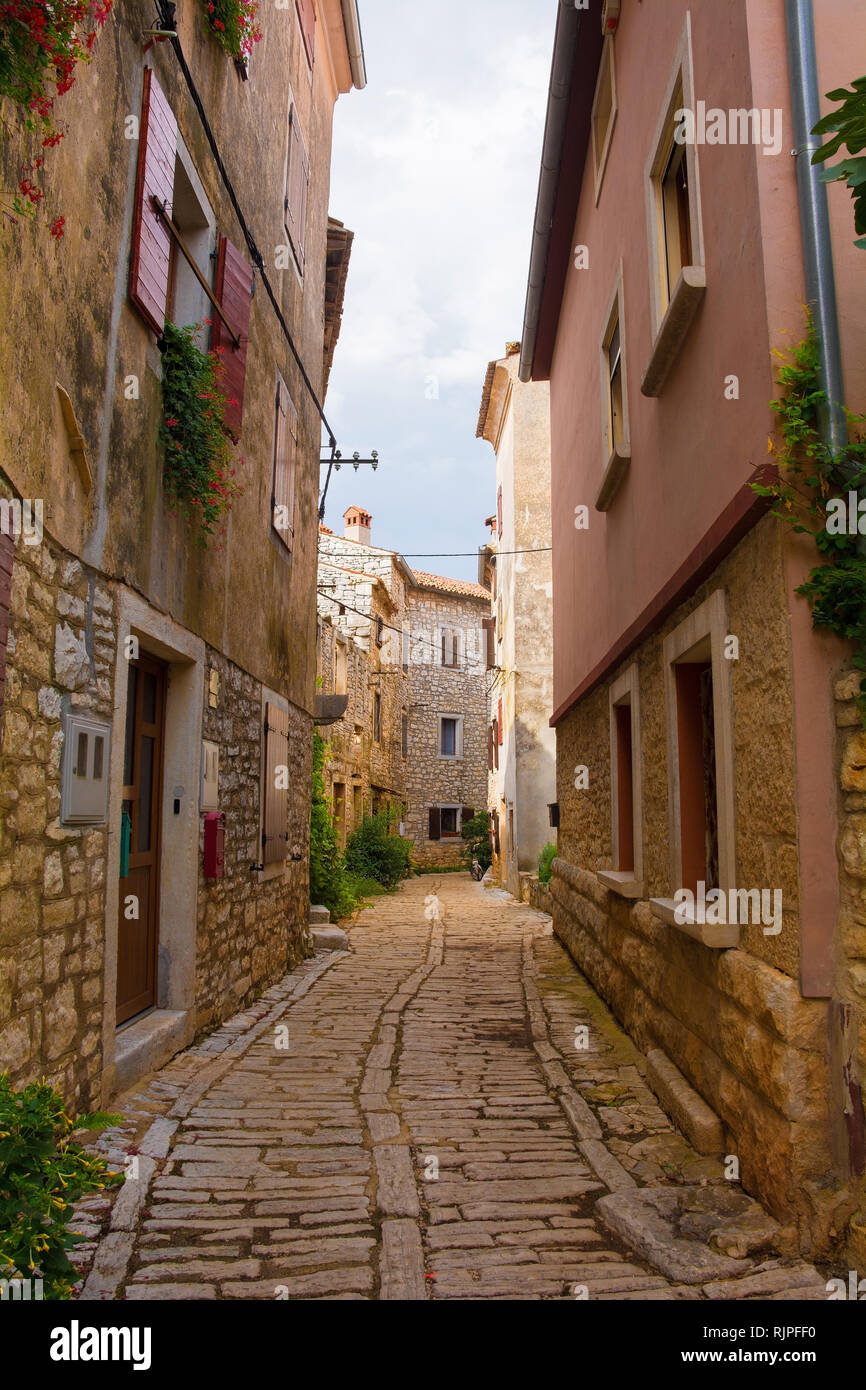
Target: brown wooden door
138	912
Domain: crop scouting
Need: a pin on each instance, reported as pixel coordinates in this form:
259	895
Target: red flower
172	422
57	228
218	24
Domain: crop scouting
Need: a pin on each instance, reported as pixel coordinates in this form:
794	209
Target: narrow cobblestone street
408	1120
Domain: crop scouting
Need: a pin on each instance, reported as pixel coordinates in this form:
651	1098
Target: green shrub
375	852
477	834
329	882
545	863
42	1175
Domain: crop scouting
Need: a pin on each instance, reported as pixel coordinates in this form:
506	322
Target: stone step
319	915
329	939
701	1125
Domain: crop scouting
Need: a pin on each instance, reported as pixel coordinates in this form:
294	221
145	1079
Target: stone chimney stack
357	525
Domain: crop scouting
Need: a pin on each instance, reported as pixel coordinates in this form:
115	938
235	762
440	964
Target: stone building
413	665
700	720
152	683
515	419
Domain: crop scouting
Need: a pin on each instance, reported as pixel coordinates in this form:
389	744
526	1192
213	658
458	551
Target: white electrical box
210	775
84	776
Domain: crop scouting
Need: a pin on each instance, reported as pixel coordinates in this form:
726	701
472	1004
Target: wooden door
138	911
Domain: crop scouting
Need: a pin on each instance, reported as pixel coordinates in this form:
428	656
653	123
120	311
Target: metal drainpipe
814	217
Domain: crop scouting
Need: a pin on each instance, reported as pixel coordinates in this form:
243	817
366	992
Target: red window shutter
7	550
234	292
285	450
434	829
495	743
297	181
275	815
151	243
501	728
307	18
499	510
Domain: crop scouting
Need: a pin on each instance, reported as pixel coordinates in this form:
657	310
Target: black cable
449	554
166	12
374	618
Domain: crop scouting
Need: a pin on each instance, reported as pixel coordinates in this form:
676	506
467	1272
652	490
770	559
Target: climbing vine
198	461
42	45
818	494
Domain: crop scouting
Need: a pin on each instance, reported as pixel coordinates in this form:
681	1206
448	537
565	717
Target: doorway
138	901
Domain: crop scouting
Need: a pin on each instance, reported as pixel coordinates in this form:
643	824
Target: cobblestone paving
408	1120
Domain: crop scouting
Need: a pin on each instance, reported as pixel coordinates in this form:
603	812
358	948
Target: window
626	877
603	116
404	736
676	218
450	736
275	794
700	763
285	455
341	669
494	728
615	449
675	236
297	183
451	646
377	717
450	815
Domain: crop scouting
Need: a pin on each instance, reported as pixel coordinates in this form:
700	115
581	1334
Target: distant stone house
153	685
515	419
408	650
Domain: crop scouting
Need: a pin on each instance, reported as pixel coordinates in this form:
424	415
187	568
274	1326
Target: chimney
357	525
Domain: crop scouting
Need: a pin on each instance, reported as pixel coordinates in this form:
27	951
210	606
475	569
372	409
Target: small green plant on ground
375	852
848	128
42	1175
545	863
98	1120
198	459
330	884
476	833
813	495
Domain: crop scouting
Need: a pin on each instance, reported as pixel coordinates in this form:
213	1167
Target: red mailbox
215	844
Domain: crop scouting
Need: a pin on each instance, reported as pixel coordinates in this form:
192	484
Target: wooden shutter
489	624
496	832
307	18
285	451
495	743
466	814
7	551
150	254
297	182
489	747
234	291
501	724
275	816
434	829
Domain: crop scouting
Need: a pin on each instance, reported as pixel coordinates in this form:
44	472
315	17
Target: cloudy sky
435	169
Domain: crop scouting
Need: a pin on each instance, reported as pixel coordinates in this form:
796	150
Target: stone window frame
616	457
706	625
457	755
458	810
625	691
671	317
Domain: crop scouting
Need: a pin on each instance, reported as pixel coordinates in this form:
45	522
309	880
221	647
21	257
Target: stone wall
250	925
435	690
733	1021
61	654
